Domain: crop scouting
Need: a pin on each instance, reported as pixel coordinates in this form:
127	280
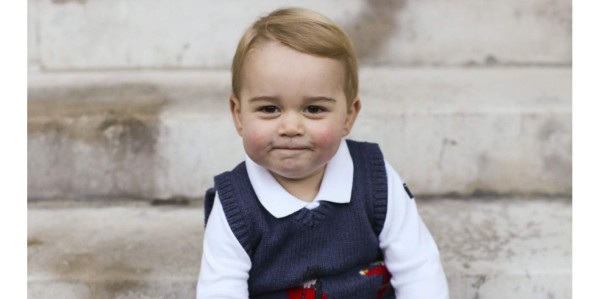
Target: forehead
274	68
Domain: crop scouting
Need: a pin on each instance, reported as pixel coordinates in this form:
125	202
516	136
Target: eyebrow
319	98
306	99
263	98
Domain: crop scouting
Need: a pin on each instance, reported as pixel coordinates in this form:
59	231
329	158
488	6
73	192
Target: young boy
309	214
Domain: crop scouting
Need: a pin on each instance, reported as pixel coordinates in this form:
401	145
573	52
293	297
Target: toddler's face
292	112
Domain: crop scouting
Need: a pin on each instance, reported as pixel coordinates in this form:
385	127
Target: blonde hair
302	30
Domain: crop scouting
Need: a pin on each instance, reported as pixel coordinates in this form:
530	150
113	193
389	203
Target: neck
305	189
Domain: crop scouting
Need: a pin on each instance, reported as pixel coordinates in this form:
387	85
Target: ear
235	108
353	111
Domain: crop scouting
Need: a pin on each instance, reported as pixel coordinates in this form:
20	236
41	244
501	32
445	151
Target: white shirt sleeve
225	265
410	253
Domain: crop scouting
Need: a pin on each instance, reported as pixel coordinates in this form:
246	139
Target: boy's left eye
314	109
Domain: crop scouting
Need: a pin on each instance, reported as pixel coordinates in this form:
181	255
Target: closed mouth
290	148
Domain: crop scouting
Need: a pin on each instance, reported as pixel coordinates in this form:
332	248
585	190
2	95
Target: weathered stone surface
161	34
472	131
93	140
492	249
154	134
503	248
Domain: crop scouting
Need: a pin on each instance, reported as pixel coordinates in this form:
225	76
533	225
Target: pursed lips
290	148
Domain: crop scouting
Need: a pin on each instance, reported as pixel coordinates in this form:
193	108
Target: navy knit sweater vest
329	252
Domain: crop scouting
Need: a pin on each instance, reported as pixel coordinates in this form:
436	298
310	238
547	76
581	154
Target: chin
292	174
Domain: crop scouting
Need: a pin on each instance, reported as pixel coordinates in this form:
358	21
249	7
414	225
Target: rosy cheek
255	138
326	137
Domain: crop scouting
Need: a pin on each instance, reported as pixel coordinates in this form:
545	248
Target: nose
290	125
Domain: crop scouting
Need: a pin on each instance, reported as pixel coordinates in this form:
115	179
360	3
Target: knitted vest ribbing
334	244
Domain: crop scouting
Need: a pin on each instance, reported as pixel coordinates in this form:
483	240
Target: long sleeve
410	253
225	265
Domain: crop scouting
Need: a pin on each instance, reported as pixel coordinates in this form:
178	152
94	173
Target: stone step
491	249
159	34
455	132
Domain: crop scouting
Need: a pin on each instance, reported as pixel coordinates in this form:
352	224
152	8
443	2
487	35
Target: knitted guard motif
313	288
310	290
379	269
334	247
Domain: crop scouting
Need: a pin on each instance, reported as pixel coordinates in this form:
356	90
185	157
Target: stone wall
129	98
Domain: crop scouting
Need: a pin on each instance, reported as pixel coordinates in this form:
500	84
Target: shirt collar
336	185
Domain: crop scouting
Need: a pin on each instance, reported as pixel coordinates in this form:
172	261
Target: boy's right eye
268	109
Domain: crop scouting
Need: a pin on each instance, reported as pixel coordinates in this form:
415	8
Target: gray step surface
202	34
160	134
491	248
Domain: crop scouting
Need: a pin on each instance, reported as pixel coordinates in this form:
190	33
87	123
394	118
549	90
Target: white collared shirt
409	251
